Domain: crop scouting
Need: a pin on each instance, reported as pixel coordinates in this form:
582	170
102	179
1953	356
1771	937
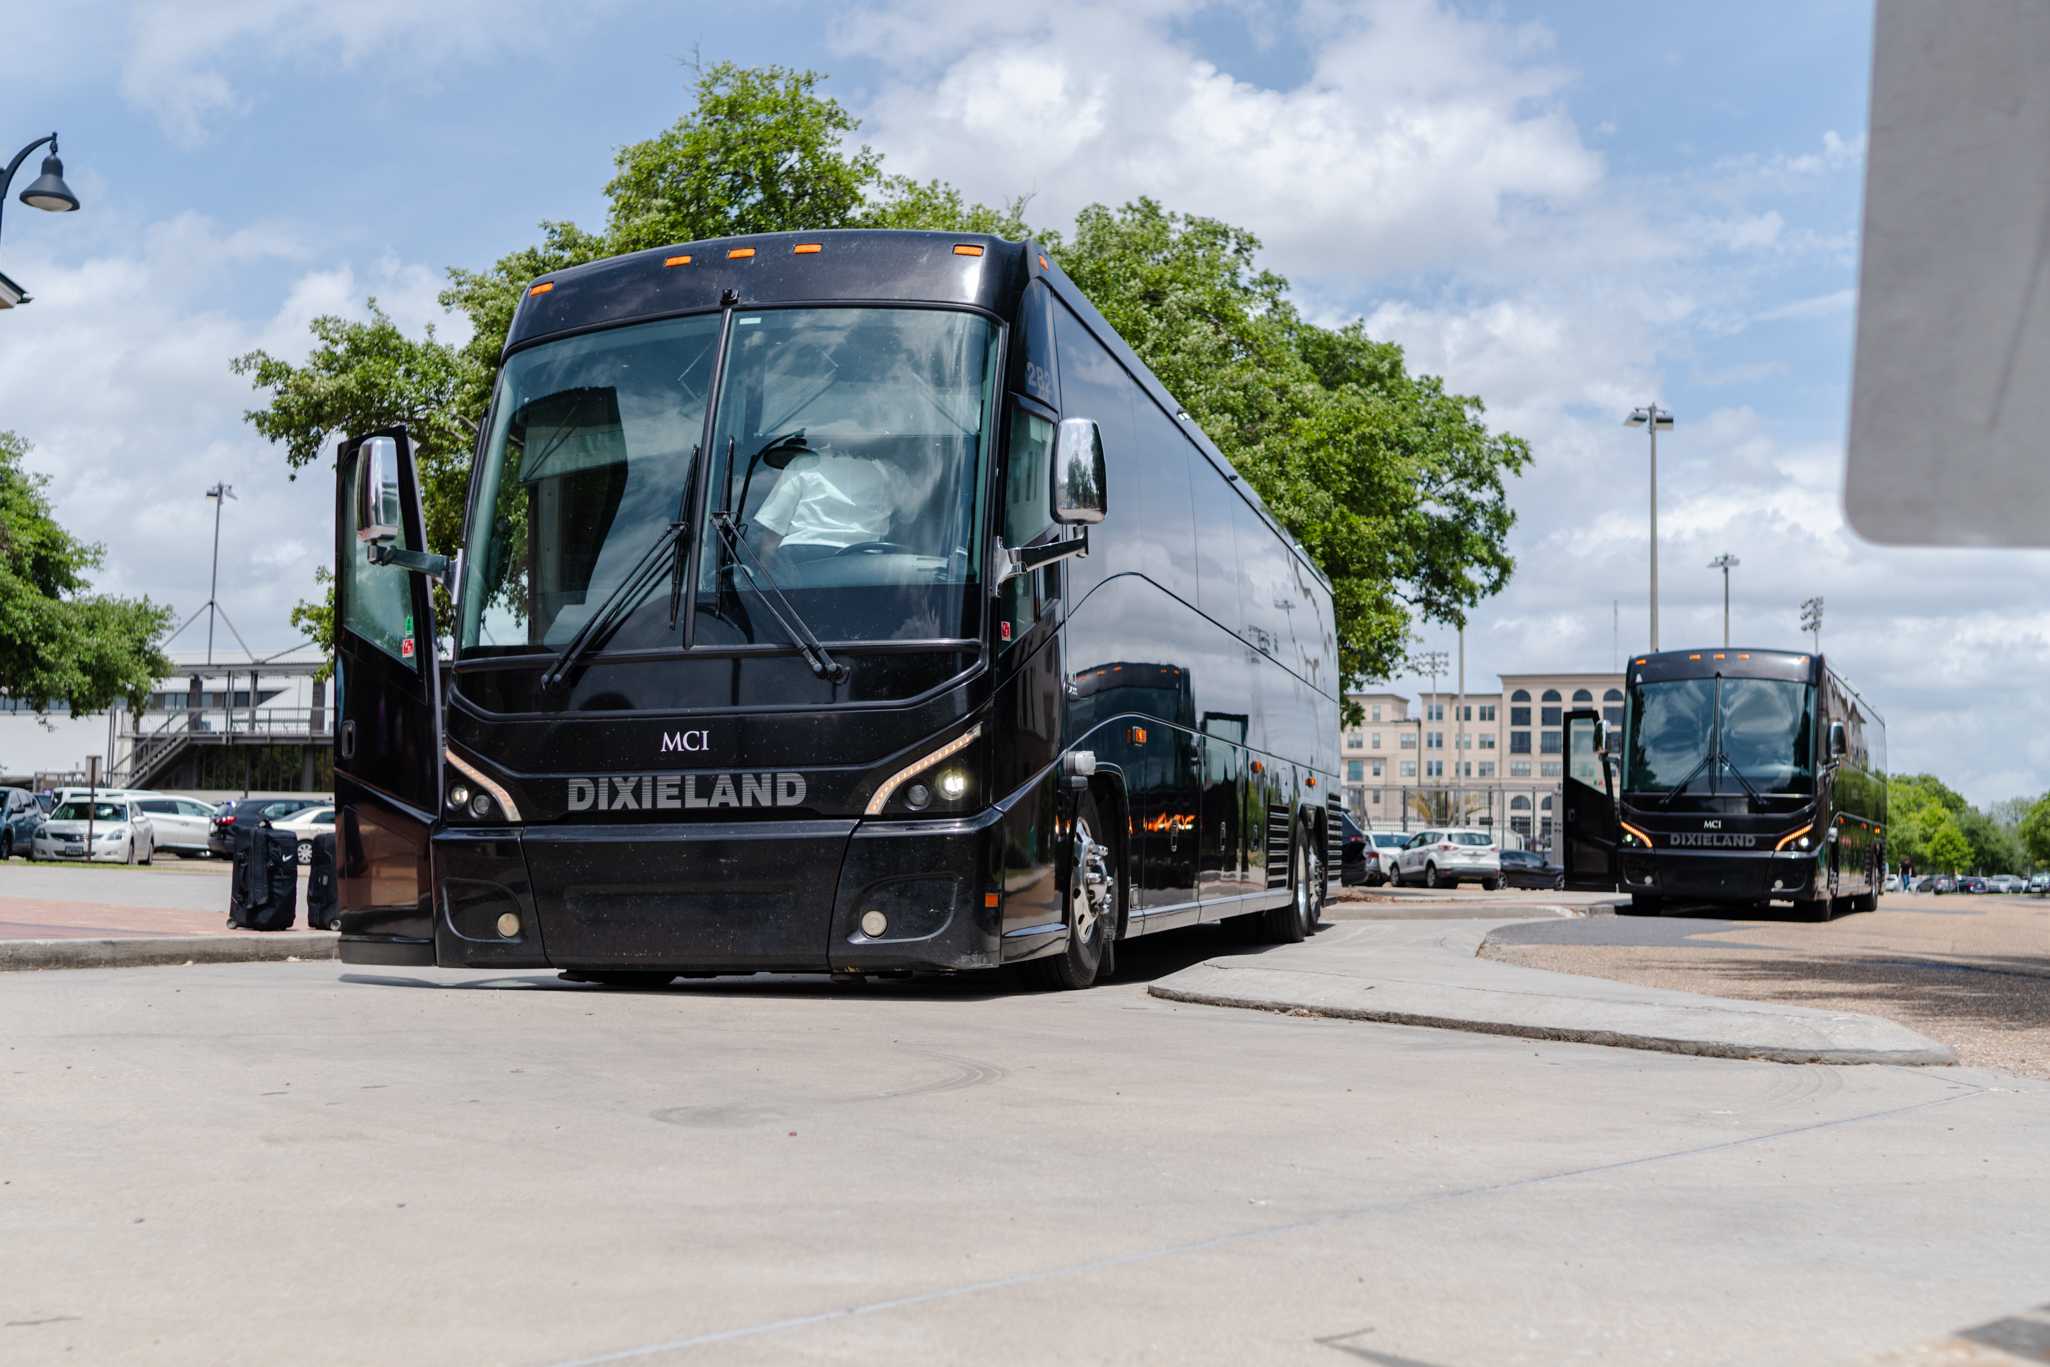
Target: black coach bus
1742	776
850	602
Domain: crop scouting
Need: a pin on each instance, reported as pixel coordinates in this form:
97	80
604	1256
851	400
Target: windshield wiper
632	587
1681	786
814	650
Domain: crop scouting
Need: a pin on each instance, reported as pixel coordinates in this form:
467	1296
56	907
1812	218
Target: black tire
1431	876
1490	884
6	845
1559	881
1293	921
150	853
1815	909
1646	904
1091	892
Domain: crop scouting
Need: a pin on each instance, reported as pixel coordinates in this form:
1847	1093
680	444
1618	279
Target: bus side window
1028	513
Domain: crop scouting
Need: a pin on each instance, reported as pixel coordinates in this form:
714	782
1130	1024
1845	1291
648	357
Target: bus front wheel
1092	902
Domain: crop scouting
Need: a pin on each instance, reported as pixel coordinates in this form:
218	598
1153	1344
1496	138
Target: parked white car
306	824
120	831
1449	856
182	824
1382	850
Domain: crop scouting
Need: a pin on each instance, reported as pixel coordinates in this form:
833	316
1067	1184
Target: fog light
873	924
1802	843
480	805
509	926
953	784
459	797
917	797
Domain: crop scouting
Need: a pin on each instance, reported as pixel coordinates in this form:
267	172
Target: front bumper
741	897
1723	875
102	852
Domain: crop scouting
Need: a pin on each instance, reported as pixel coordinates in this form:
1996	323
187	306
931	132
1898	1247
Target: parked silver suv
1448	856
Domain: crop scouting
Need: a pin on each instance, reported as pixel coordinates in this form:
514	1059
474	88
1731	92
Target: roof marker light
683	260
806	249
967	249
1042	262
1693	657
740	253
542	288
1640	659
1719	655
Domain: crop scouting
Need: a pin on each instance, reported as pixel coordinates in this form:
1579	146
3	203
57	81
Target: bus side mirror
1601	737
377	491
1079	483
1839	743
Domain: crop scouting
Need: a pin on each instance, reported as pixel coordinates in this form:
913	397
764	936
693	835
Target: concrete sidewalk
1426	973
114	916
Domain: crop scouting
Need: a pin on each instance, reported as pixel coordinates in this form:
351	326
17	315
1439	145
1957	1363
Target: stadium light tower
1652	418
1811	619
1725	562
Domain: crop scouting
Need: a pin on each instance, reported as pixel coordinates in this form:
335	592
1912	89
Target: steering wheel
873	548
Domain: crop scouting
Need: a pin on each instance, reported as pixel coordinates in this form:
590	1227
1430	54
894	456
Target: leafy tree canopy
1396	487
1948	848
59	642
2035	832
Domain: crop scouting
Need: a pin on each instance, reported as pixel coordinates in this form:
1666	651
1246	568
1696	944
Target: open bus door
1589	799
387	704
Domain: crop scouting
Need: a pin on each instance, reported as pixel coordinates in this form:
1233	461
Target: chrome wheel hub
1089	886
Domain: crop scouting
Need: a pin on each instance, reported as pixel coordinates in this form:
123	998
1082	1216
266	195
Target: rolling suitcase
323	908
265	884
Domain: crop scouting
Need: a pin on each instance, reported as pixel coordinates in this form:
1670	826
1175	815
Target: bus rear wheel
1814	909
1092	886
1646	904
1294	920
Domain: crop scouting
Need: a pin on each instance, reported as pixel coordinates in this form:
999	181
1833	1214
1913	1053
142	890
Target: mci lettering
684	792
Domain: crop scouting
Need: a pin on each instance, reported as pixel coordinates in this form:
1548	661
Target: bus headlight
458	797
887	789
953	785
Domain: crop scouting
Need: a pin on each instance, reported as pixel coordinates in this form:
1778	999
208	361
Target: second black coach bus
1739	776
850	602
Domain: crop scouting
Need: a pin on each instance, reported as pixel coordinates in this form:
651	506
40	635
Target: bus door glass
387	693
1591	832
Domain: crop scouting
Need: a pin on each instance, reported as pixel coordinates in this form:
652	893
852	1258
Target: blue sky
1564	208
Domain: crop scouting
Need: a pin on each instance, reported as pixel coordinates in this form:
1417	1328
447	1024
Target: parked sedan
112	830
306	823
1448	857
1972	883
2039	883
250	811
1529	869
1382	848
184	824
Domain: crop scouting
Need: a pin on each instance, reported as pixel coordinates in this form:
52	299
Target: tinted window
1470	838
159	807
377	600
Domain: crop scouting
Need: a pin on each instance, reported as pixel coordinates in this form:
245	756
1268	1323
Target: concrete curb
1427	976
161	950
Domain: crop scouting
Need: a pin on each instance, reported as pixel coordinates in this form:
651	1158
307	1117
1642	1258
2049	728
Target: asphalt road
263	1163
1970	970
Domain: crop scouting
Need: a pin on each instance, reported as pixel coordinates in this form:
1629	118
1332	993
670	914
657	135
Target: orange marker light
740	253
1311	780
676	260
1640	659
1042	264
1693	657
805	249
967	249
542	288
1718	654
1138	735
991	899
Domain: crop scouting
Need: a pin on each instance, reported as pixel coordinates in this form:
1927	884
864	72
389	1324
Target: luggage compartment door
387	705
1588	846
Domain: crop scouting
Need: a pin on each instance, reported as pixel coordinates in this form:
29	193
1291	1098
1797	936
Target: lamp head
48	190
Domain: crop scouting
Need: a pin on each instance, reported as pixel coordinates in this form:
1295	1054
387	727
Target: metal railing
152	737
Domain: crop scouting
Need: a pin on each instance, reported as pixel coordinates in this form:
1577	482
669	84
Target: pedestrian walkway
1419	972
83	917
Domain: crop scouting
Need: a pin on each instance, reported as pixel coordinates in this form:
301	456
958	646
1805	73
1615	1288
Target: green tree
59	642
1948	848
2035	832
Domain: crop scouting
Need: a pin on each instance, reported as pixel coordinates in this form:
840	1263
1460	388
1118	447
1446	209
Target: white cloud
1831	305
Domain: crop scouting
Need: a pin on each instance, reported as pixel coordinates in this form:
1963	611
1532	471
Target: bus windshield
1721	736
849	451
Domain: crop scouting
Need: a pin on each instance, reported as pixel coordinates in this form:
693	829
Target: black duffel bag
265	892
323	906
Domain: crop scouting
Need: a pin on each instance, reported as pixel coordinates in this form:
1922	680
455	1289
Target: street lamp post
1652	418
1811	619
47	191
1725	562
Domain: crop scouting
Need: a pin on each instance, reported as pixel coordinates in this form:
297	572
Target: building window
1376	743
1487	740
1551	695
1434	711
1549	716
1465	741
1409	768
1614	716
1376	715
1409	740
1549	743
1380	765
1466	768
1487	711
1377	797
1519	768
1353	740
1520	825
1613	695
1549	768
1434	768
1487	768
1466	711
1520	695
1581	695
1519	716
1519	742
1435	741
1355	770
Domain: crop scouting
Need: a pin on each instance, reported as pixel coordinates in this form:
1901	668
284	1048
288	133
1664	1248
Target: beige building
1491	759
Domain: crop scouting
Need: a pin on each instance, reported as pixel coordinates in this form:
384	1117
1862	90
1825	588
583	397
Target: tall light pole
1652	418
1725	562
1431	662
47	191
1811	619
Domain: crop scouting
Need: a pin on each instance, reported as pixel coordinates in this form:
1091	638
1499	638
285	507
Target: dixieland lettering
684	792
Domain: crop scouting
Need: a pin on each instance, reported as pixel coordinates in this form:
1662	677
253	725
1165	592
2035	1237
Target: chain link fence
1522	814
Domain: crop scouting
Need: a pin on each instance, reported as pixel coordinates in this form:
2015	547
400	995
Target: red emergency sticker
406	649
1004	630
